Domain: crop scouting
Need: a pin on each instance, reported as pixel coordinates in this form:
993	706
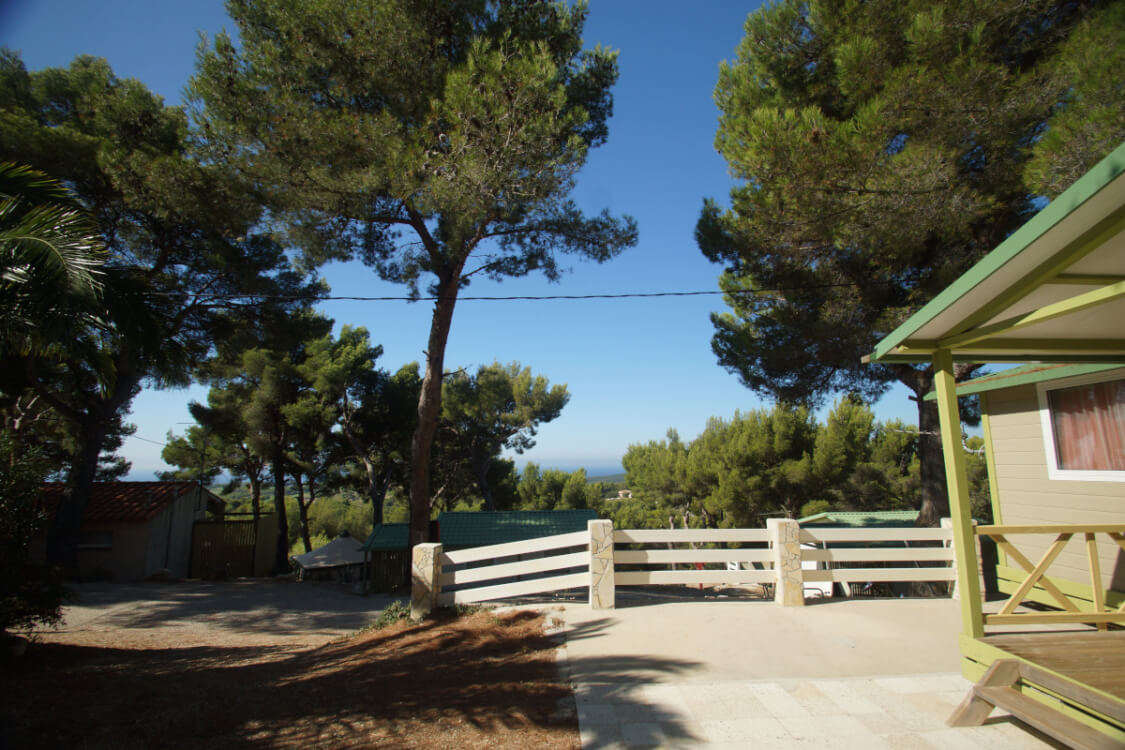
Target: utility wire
146	440
512	298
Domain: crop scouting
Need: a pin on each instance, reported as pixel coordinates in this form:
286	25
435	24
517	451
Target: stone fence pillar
785	539
602	587
425	582
954	589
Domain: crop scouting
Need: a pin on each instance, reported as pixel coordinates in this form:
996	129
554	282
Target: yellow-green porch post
990	463
957	481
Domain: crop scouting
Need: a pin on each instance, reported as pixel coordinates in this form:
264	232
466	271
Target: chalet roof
343	550
388	536
861	519
479	528
128	501
474	529
1053	291
1036	372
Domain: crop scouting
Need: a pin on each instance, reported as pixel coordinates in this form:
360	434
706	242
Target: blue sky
634	367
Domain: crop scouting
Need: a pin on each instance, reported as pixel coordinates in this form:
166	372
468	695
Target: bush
392	613
31	595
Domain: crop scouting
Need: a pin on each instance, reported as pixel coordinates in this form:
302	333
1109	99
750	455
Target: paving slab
863	674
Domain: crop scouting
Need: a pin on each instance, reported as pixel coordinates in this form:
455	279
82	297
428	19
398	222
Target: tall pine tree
881	149
435	141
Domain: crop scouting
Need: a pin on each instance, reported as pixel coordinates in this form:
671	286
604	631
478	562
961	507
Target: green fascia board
1001	359
388	536
861	519
1026	375
480	528
1103	173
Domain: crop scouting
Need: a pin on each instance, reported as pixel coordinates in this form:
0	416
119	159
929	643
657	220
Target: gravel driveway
248	612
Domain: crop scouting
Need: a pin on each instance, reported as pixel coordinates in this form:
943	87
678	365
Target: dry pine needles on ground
481	680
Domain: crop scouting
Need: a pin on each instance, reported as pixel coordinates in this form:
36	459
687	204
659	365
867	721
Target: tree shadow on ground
446	682
618	702
246	607
617	697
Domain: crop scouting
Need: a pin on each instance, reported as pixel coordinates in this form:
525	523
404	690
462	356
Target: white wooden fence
878	555
769	556
514	569
694	558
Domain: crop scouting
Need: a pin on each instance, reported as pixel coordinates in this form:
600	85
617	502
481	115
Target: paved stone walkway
715	675
872	713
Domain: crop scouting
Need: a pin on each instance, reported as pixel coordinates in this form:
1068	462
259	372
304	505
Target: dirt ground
480	680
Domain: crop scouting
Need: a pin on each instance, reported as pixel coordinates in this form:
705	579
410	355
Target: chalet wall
1026	495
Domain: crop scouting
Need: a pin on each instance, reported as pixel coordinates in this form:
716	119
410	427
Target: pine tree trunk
63	534
429	410
480	469
935	495
303	512
255	498
281	549
377	490
93	424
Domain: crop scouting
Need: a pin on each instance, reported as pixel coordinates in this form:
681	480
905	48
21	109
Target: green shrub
392	613
31	594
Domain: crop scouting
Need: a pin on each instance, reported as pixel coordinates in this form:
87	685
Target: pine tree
881	149
434	141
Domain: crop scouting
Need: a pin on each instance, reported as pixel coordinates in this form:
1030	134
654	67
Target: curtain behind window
1089	426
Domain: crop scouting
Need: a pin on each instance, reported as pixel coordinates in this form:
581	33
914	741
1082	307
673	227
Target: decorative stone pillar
785	538
425	582
955	590
602	587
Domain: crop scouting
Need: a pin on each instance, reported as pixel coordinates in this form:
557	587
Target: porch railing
1098	612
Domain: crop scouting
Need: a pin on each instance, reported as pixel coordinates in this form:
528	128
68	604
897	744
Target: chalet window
1084	427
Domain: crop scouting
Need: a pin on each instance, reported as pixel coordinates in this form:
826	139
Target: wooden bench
998	688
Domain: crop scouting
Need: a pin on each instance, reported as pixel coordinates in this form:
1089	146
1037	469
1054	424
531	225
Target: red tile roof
124	501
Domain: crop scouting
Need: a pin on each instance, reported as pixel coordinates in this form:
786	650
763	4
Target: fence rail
463	583
884	555
782	557
695	574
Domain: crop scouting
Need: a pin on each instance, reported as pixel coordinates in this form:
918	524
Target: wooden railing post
957	484
785	538
425	579
602	586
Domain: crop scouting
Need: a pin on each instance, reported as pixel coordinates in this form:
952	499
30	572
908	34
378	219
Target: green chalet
1051	299
389	553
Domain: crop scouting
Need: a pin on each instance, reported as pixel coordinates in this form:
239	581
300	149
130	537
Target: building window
95	540
1084	427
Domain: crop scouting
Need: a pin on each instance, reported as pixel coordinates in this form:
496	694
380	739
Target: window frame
1049	445
96	540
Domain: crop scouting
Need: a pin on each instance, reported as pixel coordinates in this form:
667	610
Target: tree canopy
434	141
500	407
881	149
777	462
178	245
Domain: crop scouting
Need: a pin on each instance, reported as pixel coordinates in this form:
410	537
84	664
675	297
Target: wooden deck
1094	658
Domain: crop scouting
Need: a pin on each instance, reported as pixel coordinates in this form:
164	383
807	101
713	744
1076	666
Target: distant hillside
608	479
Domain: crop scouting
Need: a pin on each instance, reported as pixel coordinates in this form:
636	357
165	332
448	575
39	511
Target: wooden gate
223	549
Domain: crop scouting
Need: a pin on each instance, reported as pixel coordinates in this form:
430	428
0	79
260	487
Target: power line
501	298
146	440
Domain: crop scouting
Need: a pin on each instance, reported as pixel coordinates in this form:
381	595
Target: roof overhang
1054	291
